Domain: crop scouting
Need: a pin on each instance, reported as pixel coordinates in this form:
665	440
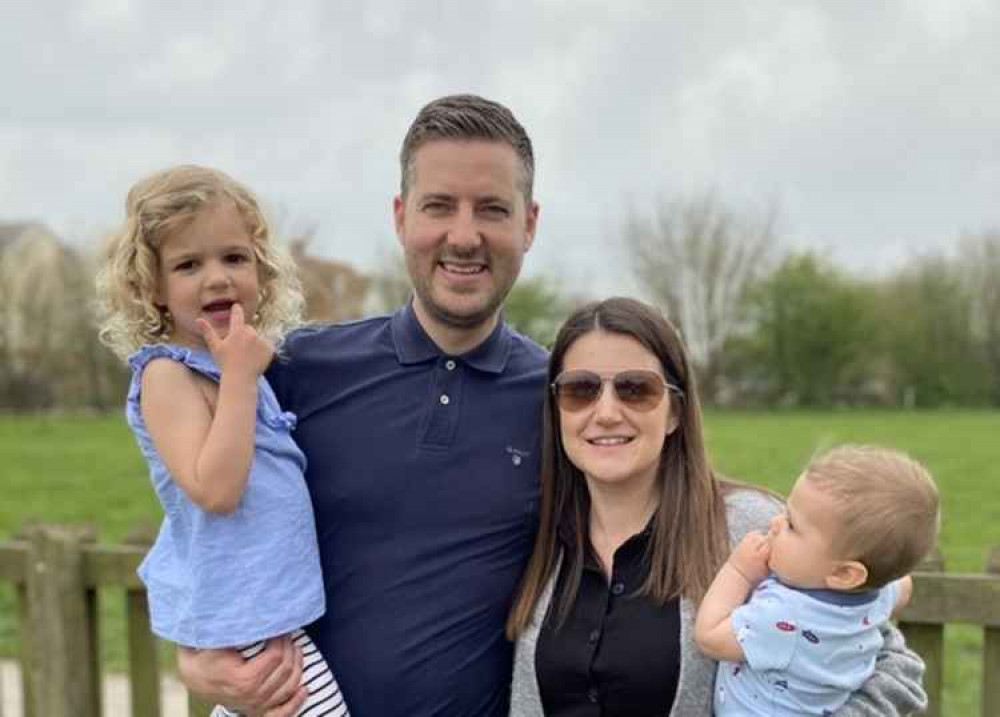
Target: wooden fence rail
57	570
940	598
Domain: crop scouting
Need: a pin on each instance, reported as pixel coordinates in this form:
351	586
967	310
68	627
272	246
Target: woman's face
614	444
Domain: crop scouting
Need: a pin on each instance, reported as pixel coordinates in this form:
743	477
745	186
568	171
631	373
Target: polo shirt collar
839	597
413	345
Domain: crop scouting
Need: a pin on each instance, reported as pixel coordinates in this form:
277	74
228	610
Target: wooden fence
56	571
940	598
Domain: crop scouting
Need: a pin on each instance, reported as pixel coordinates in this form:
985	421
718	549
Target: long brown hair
689	539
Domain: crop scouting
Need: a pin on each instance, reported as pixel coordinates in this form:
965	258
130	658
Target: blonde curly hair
157	206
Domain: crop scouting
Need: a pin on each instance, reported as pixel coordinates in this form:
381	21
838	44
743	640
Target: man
421	433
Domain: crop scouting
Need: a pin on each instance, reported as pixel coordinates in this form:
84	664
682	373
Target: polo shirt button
450	365
444	399
592	694
594	636
618	588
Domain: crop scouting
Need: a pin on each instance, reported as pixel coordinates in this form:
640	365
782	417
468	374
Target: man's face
464	226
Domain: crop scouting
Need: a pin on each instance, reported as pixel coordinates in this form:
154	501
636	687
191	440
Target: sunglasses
637	389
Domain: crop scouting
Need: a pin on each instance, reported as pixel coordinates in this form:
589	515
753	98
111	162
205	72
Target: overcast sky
873	126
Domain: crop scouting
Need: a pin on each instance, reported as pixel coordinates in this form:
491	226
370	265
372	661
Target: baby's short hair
888	508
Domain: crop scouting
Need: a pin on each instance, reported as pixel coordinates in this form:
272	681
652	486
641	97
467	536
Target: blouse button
592	694
444	399
449	364
618	588
594	636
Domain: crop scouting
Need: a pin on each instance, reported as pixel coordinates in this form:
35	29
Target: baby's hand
750	557
241	350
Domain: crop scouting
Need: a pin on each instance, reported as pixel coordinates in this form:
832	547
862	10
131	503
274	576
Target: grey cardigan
894	689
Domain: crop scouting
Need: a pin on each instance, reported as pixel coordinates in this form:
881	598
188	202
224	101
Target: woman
634	526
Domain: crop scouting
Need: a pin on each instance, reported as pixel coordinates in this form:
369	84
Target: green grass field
88	469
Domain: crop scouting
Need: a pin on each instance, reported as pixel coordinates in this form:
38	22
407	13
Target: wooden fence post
64	668
144	674
928	641
991	650
24	627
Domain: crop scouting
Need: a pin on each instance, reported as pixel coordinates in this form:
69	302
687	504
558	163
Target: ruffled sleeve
196	360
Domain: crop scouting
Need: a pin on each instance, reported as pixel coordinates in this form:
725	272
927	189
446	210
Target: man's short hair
888	508
463	118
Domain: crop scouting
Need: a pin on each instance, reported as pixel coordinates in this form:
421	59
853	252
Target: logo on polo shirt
517	455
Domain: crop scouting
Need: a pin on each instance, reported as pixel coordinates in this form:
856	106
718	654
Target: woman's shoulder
749	508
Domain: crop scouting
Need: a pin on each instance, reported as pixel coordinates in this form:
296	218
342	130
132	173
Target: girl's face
205	268
615	445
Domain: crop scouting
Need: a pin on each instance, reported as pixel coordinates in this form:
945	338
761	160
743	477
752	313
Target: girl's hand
750	557
242	350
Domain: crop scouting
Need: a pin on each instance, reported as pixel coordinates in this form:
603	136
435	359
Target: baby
831	570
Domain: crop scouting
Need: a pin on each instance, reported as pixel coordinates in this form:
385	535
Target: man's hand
269	685
242	349
750	557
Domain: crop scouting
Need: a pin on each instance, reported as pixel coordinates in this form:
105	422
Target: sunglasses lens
576	391
640	390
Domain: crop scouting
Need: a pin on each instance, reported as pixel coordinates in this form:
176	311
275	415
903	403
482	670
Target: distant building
334	291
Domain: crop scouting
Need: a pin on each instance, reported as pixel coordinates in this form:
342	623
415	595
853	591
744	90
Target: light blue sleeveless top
228	580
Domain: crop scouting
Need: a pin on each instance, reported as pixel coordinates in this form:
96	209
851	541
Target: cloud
873	126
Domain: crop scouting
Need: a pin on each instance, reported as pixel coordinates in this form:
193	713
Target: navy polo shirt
423	470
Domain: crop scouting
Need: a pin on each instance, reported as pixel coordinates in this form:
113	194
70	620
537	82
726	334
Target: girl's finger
235	318
208	333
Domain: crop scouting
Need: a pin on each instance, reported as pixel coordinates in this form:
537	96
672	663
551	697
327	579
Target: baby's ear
847	575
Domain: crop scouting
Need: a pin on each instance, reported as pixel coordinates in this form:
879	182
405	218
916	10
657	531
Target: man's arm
269	685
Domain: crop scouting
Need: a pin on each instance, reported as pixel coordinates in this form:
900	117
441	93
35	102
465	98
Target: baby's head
857	518
163	206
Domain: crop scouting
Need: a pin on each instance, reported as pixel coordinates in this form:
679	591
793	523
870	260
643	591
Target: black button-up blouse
617	653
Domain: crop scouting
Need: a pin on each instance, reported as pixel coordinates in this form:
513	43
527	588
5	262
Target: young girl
194	296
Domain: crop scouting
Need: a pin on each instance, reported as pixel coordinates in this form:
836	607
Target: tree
810	339
536	308
926	310
40	317
979	259
696	259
